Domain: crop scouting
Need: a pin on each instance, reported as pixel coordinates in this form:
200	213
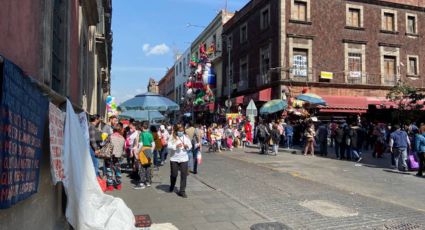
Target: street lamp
229	77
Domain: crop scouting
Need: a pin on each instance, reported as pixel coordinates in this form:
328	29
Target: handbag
199	158
144	159
106	150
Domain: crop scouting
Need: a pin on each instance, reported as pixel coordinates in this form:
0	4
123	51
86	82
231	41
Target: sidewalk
205	208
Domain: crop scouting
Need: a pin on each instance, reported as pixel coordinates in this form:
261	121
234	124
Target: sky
147	34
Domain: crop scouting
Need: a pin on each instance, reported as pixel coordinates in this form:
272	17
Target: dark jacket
275	135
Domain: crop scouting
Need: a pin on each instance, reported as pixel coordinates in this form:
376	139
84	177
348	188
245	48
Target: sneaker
110	188
119	187
162	163
148	184
360	158
139	186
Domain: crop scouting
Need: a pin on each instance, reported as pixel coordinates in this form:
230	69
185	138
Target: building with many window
166	84
65	47
351	49
181	72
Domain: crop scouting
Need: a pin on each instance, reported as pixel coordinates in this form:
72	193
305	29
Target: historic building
355	50
166	84
182	71
211	38
65	47
153	86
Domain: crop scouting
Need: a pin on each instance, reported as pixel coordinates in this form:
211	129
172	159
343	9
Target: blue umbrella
273	106
311	98
142	115
149	101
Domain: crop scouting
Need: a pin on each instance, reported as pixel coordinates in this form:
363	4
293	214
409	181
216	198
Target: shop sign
299	66
355	74
326	75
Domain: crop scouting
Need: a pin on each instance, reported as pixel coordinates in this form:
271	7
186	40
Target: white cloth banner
87	206
56	125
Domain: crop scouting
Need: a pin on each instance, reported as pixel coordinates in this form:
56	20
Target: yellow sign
232	115
326	75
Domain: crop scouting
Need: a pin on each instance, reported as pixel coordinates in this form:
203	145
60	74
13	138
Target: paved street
237	189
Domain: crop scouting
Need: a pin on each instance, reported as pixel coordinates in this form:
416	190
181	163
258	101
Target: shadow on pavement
163	187
396	172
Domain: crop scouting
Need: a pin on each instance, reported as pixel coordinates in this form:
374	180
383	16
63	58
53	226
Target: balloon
189	84
104	136
189	92
108	99
205	77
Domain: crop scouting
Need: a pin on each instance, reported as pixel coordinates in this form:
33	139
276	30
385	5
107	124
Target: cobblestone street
235	190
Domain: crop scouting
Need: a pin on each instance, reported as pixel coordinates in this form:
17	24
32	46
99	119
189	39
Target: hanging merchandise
111	106
202	77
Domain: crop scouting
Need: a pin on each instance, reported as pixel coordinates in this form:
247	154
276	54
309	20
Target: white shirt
179	154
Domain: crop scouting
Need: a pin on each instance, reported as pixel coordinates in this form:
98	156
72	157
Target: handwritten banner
56	129
23	113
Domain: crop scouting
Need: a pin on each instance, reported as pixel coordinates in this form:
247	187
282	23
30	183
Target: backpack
262	132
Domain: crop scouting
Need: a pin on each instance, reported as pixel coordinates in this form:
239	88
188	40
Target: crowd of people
146	148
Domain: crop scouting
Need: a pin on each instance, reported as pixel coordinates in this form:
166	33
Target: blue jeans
400	153
190	165
156	157
95	162
355	153
289	141
164	154
195	160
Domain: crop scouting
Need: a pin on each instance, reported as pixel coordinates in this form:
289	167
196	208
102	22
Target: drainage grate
270	226
403	226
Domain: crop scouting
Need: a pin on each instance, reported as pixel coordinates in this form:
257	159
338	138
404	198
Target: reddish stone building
357	49
166	84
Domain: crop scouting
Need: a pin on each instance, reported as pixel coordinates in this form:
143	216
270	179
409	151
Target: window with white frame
412	67
355	65
300	62
265	18
411	24
354	17
389	20
300	10
244	33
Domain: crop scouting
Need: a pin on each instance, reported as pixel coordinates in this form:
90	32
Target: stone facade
66	46
365	55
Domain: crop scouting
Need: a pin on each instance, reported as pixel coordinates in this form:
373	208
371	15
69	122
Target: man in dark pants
263	135
339	145
322	134
399	143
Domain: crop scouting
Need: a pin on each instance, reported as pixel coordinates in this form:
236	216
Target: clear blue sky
147	32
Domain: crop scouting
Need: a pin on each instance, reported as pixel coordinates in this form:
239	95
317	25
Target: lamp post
229	77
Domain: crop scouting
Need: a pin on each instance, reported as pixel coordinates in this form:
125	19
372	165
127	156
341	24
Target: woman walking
309	134
113	164
180	144
420	148
275	139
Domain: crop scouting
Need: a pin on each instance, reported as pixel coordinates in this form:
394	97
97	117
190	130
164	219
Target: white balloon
189	92
205	77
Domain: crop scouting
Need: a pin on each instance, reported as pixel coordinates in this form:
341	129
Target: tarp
87	206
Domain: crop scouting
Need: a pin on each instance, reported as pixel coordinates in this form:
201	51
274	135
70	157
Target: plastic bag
199	158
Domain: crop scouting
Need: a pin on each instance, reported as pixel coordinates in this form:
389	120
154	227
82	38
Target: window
353	17
412	68
388	22
265	18
265	62
299	12
58	47
300	63
355	65
243	69
411	24
244	33
389	70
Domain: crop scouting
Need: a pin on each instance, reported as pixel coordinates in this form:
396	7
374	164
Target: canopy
273	106
149	101
311	98
142	115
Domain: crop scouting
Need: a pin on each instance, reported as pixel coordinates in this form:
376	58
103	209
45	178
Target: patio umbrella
273	106
149	101
311	98
142	115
